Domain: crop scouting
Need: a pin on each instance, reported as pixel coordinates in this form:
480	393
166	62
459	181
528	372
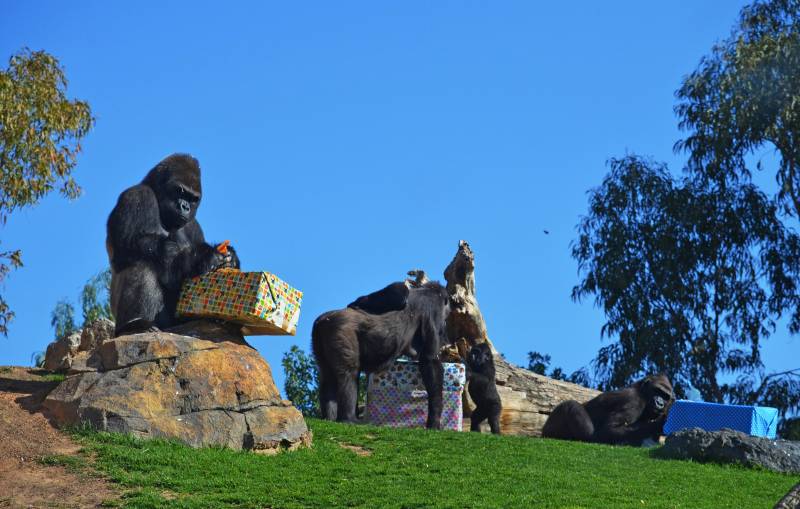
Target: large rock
59	353
527	398
729	446
95	334
71	353
200	391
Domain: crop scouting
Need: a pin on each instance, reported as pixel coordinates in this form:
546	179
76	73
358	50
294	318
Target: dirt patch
26	437
361	451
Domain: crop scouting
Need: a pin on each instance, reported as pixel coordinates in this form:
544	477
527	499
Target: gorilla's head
480	358
657	392
176	182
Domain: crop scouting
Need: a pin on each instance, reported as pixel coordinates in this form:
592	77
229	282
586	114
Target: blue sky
345	143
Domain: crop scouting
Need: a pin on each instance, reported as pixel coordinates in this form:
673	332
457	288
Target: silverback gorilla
370	334
154	243
627	416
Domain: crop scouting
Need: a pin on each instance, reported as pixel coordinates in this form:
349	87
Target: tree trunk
527	398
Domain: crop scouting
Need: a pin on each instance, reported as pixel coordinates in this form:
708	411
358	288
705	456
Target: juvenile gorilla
154	243
627	416
482	388
348	341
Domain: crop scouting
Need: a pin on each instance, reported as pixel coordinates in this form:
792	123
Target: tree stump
527	398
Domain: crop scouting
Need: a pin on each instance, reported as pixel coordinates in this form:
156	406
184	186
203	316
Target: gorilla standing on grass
482	388
628	416
154	244
370	334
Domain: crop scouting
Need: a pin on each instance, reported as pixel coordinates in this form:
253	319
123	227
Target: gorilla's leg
327	396
569	420
347	397
494	422
476	419
137	300
433	376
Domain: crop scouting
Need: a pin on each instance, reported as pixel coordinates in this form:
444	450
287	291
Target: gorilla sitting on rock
627	417
154	244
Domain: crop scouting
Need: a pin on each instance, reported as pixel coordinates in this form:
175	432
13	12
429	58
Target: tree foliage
95	297
62	319
745	95
302	381
691	277
40	133
539	364
94	300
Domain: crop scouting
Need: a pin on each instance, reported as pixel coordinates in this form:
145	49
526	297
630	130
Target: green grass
418	468
53	377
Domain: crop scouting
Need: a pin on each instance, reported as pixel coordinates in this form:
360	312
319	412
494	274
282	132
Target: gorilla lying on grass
154	244
628	416
370	334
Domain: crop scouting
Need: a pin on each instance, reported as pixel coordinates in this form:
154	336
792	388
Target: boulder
60	352
95	334
729	446
200	391
71	353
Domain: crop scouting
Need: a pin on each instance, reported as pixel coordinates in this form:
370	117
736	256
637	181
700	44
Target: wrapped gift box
260	301
754	420
397	397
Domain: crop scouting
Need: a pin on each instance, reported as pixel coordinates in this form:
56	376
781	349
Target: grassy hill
365	466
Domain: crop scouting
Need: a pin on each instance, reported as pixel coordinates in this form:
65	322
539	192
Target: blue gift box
759	421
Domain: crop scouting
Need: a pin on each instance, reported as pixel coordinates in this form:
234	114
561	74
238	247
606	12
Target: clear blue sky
344	143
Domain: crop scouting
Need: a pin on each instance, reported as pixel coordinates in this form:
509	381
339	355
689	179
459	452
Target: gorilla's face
479	357
176	183
178	204
657	391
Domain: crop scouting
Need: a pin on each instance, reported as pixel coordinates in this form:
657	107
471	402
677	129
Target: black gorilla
154	243
482	388
627	416
392	298
351	340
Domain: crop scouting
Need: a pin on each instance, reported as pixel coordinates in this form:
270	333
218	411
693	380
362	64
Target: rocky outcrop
527	398
200	391
70	353
729	446
59	353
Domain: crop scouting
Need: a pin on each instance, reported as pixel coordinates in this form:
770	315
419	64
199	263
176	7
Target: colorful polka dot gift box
260	301
397	397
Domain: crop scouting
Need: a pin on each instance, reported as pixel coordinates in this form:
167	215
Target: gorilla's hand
655	426
234	258
225	260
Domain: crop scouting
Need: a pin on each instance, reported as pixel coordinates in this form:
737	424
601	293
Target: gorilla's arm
134	228
618	431
623	422
186	254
